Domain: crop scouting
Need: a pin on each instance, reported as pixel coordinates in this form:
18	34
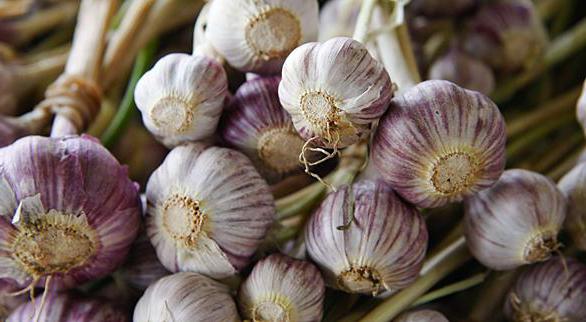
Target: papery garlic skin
381	249
281	288
550	291
440	143
573	186
422	316
257	125
208	210
67	210
581	108
181	98
464	70
257	36
516	221
186	297
334	91
68	308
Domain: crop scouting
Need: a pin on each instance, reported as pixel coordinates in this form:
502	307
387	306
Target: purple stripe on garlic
573	186
184	297
257	125
334	91
208	210
181	98
366	239
67	210
257	36
551	291
422	316
281	288
440	143
515	222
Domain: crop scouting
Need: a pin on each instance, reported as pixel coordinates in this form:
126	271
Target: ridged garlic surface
460	68
334	91
181	98
284	289
67	308
186	297
440	143
516	221
573	186
257	125
366	239
67	211
422	316
257	35
208	210
553	291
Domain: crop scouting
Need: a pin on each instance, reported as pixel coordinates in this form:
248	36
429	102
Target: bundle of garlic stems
292	160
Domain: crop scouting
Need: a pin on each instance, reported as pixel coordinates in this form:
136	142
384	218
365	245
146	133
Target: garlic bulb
257	125
68	212
366	239
422	316
186	297
516	221
507	34
181	98
10	131
257	36
67	308
334	91
460	68
142	267
208	210
281	288
573	186
581	108
551	291
440	143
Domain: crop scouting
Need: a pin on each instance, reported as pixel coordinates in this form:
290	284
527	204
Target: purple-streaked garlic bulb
581	108
366	239
257	125
507	34
67	308
208	210
142	267
10	130
257	36
334	91
67	211
460	68
281	288
440	143
186	297
573	186
516	221
553	291
445	8
422	316
181	98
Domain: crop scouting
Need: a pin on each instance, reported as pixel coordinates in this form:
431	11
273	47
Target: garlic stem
547	8
562	104
391	307
363	21
561	48
494	289
42	70
560	150
36	24
557	172
451	289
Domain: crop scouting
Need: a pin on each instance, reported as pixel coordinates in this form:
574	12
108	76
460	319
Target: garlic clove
549	291
208	210
573	186
68	187
516	221
181	98
184	297
334	91
257	125
422	316
440	143
281	288
257	36
366	239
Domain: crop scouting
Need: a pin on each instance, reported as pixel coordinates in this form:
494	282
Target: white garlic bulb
334	91
208	210
181	98
186	297
257	35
